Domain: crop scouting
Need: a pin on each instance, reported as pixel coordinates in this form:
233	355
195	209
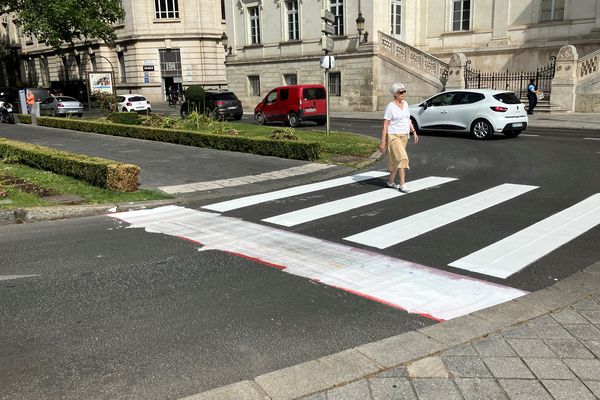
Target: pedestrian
532	96
30	99
396	131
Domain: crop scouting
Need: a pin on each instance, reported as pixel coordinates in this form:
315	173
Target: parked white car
133	102
482	112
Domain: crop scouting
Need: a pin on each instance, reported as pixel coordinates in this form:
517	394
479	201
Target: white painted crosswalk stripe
294	191
416	288
407	228
515	252
350	203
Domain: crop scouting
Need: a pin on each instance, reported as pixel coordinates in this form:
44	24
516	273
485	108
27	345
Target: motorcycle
6	112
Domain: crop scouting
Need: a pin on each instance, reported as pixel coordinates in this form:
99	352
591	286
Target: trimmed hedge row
298	150
96	171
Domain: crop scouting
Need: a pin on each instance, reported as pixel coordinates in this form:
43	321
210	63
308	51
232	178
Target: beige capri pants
397	157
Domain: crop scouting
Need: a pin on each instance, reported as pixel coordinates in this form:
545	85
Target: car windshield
225	96
507	98
63	98
314	93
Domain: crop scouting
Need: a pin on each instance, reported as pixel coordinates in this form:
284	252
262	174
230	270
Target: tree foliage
63	21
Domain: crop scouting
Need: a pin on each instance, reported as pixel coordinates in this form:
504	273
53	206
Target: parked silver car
479	111
57	106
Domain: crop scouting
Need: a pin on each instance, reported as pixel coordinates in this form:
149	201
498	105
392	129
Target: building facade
160	43
412	41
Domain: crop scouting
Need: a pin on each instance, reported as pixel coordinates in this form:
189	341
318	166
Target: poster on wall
101	82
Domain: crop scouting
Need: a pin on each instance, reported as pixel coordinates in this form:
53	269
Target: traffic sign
326	43
327	28
328	16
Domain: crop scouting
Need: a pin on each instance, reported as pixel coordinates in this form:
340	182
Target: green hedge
298	149
96	171
127	118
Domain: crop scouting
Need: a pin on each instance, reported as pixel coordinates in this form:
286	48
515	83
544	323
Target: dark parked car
218	104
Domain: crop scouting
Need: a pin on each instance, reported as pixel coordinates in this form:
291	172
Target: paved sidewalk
545	345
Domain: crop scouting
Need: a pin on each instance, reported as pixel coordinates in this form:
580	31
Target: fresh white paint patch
11	277
512	254
350	203
399	283
294	191
244	180
407	228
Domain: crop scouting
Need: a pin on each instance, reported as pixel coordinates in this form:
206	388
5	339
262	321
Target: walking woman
396	131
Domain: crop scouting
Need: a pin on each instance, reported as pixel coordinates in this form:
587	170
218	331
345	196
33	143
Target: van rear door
313	101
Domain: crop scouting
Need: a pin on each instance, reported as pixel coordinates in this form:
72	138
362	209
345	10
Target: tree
63	21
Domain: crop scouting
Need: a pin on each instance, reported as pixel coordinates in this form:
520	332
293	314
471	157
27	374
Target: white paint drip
403	284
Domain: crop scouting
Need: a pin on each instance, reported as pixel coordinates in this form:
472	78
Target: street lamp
360	27
225	41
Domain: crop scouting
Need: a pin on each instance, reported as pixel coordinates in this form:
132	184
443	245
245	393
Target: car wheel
124	109
293	120
52	112
481	129
321	122
260	118
512	134
237	117
80	115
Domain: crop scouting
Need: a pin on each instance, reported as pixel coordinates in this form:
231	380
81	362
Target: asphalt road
124	313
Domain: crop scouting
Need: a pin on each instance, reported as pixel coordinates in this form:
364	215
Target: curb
313	377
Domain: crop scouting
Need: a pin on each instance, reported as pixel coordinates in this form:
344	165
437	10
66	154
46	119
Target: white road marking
515	252
244	180
294	191
415	288
528	134
11	277
591	138
350	203
407	228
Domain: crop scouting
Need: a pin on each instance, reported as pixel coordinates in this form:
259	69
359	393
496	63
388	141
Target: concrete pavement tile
316	375
521	331
591	315
568	348
494	346
550	299
358	390
584	368
549	368
580	282
244	390
509	313
466	367
436	389
429	367
587	304
593	346
399	372
524	389
316	396
551	332
508	367
460	330
480	389
531	348
462	350
396	350
543	320
594	387
568	317
593	269
567	390
583	332
390	388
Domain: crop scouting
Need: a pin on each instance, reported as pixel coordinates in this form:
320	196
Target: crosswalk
417	288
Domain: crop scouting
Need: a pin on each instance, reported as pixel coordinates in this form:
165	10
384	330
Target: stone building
159	43
278	42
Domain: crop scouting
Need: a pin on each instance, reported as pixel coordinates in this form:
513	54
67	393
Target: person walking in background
396	131
532	96
30	99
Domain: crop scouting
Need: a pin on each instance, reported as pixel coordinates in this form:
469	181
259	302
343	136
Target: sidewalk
545	345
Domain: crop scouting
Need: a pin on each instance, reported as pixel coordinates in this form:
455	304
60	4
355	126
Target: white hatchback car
479	111
133	102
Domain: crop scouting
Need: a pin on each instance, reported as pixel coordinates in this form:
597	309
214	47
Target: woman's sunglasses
401	91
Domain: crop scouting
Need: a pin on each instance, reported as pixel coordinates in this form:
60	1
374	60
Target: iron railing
513	81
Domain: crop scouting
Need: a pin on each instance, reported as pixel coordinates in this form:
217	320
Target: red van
294	105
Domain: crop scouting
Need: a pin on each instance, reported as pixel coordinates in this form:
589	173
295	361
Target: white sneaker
404	188
393	185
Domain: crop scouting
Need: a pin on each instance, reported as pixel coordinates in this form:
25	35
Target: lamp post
225	42
360	27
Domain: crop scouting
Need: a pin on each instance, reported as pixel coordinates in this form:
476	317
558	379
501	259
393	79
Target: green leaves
62	21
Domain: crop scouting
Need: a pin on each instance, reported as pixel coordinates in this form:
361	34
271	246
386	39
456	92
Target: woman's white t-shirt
399	119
